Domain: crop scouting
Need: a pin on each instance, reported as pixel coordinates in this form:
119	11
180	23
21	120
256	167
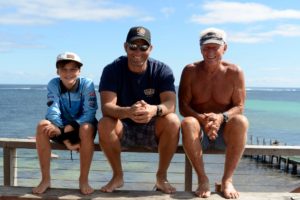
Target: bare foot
114	183
203	189
164	186
229	191
41	188
297	190
85	188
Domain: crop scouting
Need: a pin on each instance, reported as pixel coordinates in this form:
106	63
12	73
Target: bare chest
212	93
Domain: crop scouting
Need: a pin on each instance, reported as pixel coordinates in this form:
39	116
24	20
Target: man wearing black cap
211	98
138	104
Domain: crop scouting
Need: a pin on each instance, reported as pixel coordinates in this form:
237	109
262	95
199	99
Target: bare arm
237	102
168	102
110	108
239	94
140	112
185	94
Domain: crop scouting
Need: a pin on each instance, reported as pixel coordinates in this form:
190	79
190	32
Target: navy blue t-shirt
131	87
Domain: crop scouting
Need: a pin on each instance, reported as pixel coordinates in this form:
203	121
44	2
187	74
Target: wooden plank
188	175
9	166
272	150
24	193
13	143
249	149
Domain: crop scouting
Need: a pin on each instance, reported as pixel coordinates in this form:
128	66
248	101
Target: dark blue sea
273	113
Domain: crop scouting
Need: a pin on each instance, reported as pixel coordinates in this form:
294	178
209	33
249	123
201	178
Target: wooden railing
10	145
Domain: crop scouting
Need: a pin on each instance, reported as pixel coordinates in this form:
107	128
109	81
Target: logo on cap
70	56
140	31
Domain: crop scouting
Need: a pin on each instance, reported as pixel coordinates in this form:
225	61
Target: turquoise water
275	118
273	113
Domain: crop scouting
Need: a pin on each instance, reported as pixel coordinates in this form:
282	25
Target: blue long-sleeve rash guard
75	106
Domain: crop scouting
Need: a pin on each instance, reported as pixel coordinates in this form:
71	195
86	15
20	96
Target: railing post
9	166
188	175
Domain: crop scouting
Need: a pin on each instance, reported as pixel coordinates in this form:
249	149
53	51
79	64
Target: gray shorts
139	135
218	143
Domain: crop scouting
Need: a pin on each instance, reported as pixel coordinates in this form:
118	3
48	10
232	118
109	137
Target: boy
70	120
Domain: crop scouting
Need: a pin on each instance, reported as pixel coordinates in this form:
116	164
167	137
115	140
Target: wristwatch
225	117
158	111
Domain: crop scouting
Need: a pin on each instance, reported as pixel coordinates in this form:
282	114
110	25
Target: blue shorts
218	143
139	135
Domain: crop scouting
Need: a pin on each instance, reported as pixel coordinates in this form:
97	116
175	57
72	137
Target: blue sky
263	36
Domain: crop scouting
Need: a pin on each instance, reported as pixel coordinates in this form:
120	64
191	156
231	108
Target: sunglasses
134	47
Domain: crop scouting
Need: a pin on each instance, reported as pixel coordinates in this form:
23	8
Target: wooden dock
24	193
10	190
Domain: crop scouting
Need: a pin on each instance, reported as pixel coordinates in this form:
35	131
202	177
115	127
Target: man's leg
109	133
44	152
191	137
235	136
86	134
167	130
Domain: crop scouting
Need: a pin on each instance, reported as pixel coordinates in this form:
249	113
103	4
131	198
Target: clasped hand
141	112
212	123
52	130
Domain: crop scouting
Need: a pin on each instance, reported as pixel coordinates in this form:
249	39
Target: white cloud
146	19
244	37
280	70
19	76
6	46
219	12
10	41
287	30
43	12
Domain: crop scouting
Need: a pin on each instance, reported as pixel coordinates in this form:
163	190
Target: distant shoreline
257	88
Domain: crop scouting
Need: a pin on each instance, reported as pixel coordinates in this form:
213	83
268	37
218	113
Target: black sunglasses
134	47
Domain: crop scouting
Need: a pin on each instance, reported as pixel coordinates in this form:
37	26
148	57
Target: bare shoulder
232	68
191	68
188	75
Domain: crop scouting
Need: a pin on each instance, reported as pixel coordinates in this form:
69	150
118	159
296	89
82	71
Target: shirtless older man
211	98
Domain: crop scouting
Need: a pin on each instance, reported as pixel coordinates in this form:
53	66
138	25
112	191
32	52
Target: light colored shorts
218	143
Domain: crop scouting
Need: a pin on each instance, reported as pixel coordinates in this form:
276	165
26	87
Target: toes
165	187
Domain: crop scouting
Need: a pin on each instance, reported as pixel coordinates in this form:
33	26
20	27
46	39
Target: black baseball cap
138	32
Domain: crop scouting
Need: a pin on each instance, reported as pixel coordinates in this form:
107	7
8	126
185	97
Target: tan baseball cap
69	56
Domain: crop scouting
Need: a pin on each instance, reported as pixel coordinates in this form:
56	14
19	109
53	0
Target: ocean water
273	113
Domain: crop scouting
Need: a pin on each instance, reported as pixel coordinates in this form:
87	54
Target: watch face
159	111
225	117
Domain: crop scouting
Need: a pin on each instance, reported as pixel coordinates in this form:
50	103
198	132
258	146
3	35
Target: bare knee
105	126
41	126
169	124
86	132
189	125
172	120
236	130
240	122
188	122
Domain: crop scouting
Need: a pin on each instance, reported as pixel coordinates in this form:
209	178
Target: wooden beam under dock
24	193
